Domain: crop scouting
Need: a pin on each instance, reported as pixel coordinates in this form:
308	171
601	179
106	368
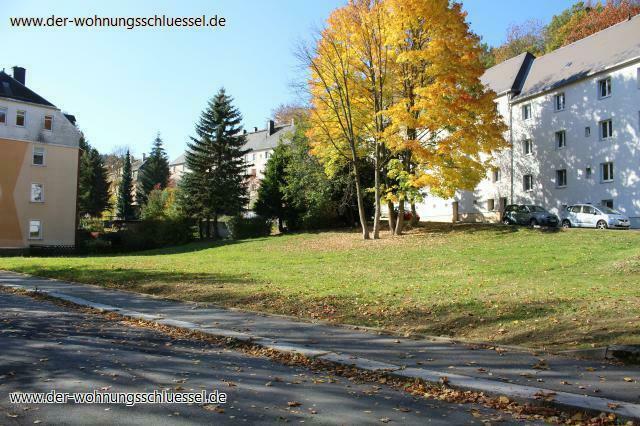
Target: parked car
519	214
588	216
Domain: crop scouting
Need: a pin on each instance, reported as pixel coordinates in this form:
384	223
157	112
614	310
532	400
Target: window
575	209
526	112
588	210
3	116
497	175
559	101
561	139
606	129
607	203
588	173
527	183
587	132
253	157
35	230
604	88
491	205
37	193
38	156
561	178
607	172
267	155
527	147
20	118
48	122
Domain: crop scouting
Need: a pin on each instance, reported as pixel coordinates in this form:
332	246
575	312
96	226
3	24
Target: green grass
563	289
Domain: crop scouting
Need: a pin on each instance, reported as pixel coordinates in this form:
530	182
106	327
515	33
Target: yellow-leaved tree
444	124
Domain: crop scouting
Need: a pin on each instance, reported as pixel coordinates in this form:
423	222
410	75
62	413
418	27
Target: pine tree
271	201
125	189
93	185
154	173
215	183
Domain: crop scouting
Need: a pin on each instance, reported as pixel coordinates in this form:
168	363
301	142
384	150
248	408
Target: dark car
519	214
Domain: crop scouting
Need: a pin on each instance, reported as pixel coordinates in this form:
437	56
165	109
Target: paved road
45	347
559	374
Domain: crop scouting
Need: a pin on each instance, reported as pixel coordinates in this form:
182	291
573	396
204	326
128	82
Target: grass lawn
565	289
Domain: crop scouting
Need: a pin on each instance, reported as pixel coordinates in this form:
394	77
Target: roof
256	141
508	76
13	89
261	140
610	47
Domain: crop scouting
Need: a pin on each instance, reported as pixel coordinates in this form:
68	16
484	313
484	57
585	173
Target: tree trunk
200	228
216	232
400	220
208	231
376	173
360	197
280	225
392	217
414	214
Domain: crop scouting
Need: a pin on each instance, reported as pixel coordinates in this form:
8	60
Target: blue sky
126	85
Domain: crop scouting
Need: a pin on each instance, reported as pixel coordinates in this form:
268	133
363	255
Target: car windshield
537	209
607	210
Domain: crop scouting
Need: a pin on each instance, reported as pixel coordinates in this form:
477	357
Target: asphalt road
44	347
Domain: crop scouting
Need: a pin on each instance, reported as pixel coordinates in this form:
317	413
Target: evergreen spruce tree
154	173
124	204
215	182
272	202
93	184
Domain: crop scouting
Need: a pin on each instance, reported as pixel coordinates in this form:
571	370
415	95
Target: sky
124	86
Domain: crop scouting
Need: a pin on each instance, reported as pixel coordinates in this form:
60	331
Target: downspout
511	143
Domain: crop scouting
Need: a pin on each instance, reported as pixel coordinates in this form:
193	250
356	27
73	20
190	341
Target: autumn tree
601	17
443	125
338	126
526	37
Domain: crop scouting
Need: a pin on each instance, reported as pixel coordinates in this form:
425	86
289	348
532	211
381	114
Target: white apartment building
574	131
260	144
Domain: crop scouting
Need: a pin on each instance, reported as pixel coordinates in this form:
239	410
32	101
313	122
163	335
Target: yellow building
39	152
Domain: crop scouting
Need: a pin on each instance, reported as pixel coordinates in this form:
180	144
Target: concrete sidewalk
518	374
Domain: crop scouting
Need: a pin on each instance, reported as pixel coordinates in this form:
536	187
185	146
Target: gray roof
598	52
13	89
508	76
256	141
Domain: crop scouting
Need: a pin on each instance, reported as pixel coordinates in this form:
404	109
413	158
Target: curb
524	394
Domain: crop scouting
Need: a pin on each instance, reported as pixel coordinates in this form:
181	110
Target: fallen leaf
294	404
628	379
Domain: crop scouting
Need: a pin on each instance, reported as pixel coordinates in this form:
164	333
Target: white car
588	216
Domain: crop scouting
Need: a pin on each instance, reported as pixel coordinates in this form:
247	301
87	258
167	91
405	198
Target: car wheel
533	223
506	221
601	224
566	223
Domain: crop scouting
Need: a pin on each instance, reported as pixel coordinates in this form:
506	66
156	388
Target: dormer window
21	117
48	122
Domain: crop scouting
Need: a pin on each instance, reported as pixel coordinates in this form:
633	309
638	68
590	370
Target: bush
91	224
155	233
243	227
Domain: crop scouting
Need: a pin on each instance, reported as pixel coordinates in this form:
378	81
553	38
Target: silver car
588	216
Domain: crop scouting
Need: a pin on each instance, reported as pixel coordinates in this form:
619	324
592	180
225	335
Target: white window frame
24	118
558	183
526	178
607	82
44	122
561	136
609	130
557	105
609	172
496	175
39	237
31	193
44	156
6	115
527	143
527	108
